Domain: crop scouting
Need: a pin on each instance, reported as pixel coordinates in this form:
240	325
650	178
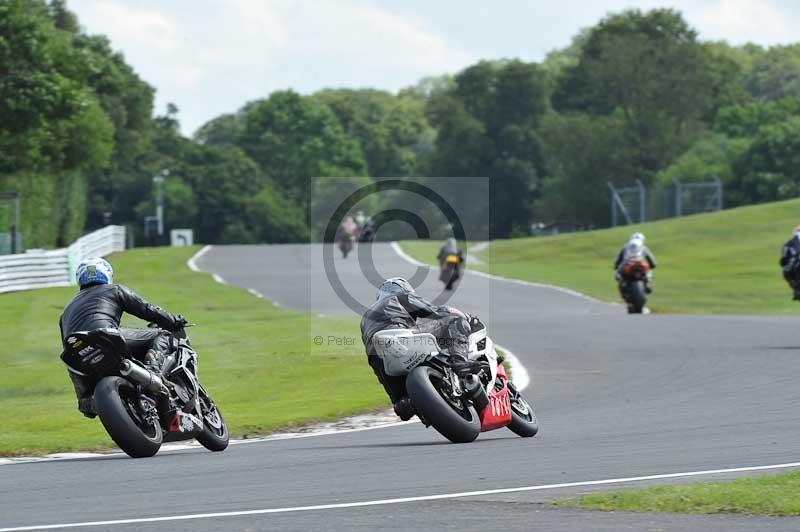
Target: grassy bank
259	362
772	495
721	263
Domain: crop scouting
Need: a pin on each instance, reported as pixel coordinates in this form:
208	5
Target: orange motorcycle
633	278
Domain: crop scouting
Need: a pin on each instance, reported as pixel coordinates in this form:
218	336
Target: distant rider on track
635	247
450	272
398	306
100	304
790	261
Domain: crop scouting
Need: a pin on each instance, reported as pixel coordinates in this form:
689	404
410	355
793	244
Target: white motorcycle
458	407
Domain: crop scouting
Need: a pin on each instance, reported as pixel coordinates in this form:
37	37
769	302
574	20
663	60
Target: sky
210	57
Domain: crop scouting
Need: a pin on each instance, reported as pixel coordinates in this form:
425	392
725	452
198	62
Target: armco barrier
42	269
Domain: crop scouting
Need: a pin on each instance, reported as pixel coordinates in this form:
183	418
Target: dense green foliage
636	97
52	126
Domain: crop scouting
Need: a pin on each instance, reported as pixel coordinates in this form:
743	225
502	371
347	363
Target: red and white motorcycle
458	407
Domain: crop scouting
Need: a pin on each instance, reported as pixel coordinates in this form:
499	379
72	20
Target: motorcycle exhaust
476	392
139	375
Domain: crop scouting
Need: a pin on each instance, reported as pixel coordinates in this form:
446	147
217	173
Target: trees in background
487	125
636	97
53	129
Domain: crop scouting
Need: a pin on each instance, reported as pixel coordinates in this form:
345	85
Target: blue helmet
94	271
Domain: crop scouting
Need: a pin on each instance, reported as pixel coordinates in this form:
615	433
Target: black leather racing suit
391	312
101	306
790	262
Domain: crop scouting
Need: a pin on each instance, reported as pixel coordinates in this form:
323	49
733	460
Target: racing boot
404	408
85	397
167	412
86	407
153	360
462	366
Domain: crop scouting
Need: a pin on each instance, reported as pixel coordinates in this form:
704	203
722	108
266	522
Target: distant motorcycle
346	243
367	233
131	400
458	407
450	270
633	276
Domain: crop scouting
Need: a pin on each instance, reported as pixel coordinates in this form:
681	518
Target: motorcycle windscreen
402	350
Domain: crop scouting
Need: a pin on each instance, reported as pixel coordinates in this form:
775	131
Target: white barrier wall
42	269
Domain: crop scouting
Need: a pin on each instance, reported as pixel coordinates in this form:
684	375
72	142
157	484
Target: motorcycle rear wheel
459	423
116	401
637	296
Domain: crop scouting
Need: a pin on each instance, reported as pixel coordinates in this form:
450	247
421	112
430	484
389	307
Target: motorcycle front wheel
118	406
214	436
453	418
523	418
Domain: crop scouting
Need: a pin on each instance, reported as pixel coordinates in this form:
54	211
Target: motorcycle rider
397	305
367	232
347	229
790	261
634	248
99	304
450	247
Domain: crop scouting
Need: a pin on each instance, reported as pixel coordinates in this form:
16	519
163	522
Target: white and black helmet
394	286
637	237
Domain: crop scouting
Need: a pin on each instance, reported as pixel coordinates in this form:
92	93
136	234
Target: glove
179	322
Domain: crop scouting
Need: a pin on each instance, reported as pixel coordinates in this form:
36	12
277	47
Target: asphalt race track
618	396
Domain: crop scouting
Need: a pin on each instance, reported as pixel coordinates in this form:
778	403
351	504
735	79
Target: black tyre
452	418
638	298
214	436
117	403
523	418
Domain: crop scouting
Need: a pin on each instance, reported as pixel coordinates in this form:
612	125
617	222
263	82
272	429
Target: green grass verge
259	362
770	495
718	263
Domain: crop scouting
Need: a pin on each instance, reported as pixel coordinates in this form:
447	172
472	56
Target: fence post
718	182
613	206
642	193
616	201
15	243
678	192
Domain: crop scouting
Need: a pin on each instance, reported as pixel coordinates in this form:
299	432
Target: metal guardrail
42	269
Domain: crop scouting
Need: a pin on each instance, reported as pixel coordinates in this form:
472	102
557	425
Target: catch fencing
42	268
639	204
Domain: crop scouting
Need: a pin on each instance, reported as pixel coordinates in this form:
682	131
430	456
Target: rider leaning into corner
635	248
790	261
99	304
398	306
